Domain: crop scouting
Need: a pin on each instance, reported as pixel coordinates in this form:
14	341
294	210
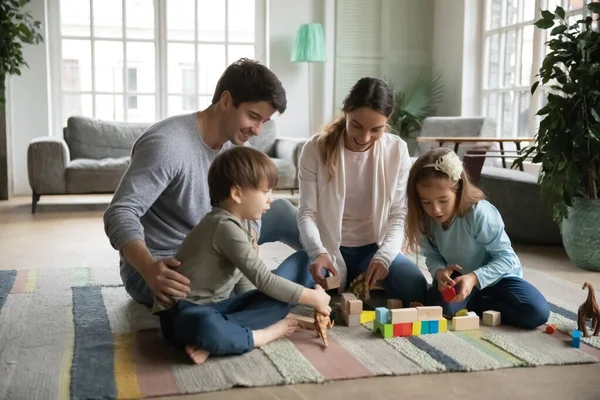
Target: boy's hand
255	241
164	281
443	277
322	262
464	286
322	301
376	272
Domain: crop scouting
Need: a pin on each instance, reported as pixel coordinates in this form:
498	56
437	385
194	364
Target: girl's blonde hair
368	92
467	195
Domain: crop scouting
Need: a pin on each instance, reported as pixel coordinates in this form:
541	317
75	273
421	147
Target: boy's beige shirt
217	257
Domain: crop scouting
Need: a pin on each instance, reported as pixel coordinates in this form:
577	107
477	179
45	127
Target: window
144	60
513	52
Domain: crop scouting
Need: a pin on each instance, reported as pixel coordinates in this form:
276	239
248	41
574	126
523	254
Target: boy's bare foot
197	356
285	327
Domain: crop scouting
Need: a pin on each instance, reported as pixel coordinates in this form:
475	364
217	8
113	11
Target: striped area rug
76	334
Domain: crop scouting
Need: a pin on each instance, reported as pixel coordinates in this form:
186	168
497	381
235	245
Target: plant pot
581	233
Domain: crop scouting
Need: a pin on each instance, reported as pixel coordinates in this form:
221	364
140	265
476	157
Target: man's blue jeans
278	225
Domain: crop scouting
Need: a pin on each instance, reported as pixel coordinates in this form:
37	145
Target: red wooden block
404	329
550	329
449	294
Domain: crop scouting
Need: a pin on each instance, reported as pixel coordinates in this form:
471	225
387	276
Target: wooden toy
322	323
462	313
404	315
429	313
394	303
576	339
355	306
550	329
449	294
352	319
333	282
589	309
465	323
491	318
382	315
367	316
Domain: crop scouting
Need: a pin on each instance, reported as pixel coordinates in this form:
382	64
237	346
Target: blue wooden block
425	327
576	341
434	327
382	315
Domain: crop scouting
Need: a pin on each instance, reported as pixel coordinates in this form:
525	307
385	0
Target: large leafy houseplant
17	27
567	143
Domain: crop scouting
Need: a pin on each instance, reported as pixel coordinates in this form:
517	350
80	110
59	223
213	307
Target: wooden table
458	140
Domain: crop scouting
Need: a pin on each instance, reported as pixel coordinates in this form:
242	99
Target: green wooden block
388	330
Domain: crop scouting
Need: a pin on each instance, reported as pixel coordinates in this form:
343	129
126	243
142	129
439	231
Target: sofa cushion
286	171
266	140
97	139
86	175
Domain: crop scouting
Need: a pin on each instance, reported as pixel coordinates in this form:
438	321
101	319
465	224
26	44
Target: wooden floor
68	232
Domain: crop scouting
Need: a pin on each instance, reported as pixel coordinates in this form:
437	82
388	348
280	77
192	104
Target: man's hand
164	281
376	272
443	277
322	262
464	286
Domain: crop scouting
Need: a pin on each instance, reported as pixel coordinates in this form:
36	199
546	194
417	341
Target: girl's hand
376	272
322	262
464	286
442	276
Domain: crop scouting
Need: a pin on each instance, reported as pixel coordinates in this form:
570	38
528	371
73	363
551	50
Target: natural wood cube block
465	323
491	318
403	315
432	313
352	319
394	303
333	282
355	307
344	300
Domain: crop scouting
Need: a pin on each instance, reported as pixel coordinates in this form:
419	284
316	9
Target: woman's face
364	127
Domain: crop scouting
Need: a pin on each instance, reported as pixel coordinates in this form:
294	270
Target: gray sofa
93	155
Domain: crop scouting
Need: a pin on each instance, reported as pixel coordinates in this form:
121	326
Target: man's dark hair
240	166
249	81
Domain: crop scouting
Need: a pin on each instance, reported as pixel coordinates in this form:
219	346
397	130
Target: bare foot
197	356
285	327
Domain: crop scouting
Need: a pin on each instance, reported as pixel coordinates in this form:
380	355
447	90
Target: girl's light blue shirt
477	242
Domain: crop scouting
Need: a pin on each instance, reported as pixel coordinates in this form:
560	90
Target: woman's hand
322	262
376	272
464	286
443	277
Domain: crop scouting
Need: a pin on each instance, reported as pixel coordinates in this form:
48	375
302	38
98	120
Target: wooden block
462	313
333	282
449	294
472	314
385	330
434	327
344	300
403	315
550	329
305	322
352	319
465	323
382	315
355	307
367	316
416	328
394	303
491	318
424	327
576	339
432	313
443	325
402	330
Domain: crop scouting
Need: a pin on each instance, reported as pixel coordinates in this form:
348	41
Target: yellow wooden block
416	328
367	316
443	325
462	313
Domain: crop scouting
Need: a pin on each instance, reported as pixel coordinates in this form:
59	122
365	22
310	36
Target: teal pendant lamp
309	47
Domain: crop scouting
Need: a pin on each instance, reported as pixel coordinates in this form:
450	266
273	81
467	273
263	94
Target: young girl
463	240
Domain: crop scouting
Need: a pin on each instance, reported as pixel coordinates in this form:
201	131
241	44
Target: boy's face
255	202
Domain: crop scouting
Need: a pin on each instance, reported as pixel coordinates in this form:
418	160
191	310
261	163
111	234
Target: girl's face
364	127
438	199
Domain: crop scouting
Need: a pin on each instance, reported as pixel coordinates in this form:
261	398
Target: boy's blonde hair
422	171
240	166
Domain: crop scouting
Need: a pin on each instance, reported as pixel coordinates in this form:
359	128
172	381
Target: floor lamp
309	47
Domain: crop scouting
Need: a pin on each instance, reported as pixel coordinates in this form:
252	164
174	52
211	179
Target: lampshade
310	44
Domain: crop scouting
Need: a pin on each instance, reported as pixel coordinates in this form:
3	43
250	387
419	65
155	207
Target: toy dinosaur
321	324
360	288
589	309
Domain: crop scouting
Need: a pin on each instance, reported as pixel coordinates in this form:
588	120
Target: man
164	192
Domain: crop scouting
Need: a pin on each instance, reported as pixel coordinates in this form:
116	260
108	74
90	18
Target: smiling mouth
360	143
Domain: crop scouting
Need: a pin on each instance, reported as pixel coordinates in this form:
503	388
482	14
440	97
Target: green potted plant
567	144
413	103
17	27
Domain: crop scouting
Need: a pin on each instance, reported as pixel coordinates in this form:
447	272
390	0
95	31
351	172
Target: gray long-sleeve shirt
164	192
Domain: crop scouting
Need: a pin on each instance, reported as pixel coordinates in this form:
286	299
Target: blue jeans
225	328
278	224
518	301
405	280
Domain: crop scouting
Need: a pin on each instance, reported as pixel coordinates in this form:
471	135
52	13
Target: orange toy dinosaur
589	309
321	324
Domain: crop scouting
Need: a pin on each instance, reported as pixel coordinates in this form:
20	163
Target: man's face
246	120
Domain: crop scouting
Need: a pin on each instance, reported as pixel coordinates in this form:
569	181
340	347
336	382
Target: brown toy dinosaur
360	288
321	324
589	309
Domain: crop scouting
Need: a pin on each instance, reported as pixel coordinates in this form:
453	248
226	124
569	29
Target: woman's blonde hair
467	195
368	92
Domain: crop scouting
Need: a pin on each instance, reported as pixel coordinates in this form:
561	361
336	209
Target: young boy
235	302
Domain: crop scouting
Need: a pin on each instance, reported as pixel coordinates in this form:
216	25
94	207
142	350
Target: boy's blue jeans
225	328
518	301
278	225
405	280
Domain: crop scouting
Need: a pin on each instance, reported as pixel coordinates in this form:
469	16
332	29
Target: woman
353	179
